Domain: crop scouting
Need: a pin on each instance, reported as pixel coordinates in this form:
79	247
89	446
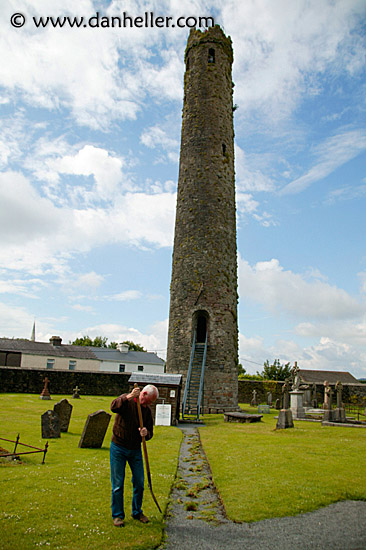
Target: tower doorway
201	328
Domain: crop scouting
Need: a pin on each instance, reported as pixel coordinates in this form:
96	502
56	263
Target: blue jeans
119	456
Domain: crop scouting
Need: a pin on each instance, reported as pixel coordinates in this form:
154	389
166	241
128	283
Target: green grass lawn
259	472
262	472
65	503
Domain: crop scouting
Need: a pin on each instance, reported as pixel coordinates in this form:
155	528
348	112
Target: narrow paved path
196	518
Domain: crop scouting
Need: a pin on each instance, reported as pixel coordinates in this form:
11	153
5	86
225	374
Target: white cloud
92	161
331	154
157	137
39	237
154	340
284	291
282	47
250	171
126	296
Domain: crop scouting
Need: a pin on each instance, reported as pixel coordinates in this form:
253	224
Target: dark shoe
141	518
118	522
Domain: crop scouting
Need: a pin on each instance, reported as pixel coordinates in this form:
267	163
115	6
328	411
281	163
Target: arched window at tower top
211	55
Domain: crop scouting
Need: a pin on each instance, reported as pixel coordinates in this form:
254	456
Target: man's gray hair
151	390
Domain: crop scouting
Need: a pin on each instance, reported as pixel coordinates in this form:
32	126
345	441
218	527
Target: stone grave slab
242	417
94	430
50	424
64	409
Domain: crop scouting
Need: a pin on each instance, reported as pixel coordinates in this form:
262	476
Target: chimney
123	348
56	340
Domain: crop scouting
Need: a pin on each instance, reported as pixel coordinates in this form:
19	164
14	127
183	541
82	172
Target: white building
28	354
124	360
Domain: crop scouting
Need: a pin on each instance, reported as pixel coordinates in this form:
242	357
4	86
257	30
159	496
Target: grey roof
45	348
138	357
158	379
319	376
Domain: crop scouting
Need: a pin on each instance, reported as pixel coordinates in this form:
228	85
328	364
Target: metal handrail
201	380
185	395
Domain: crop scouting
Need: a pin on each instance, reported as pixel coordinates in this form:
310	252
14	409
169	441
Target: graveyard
259	472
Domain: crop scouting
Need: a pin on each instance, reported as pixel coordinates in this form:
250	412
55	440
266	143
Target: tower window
211	55
187	64
223	149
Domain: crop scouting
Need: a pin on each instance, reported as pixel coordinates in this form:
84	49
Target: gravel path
196	518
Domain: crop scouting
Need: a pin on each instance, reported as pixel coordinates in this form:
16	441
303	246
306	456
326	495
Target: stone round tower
203	295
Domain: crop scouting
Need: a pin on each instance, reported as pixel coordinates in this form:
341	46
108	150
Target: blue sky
89	153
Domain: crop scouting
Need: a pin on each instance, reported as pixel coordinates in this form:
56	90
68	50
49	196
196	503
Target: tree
98	342
276	371
241	370
132	346
101	342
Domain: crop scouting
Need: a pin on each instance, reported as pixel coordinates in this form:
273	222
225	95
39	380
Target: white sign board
163	415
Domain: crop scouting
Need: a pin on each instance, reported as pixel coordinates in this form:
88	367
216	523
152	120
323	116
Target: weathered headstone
94	430
64	409
278	404
76	395
314	401
269	398
285	419
254	399
50	424
45	394
328	393
339	415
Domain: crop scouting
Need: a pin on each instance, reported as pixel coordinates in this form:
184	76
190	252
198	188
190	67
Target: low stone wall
262	387
17	380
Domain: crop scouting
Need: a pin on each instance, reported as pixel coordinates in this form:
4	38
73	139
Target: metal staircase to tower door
194	388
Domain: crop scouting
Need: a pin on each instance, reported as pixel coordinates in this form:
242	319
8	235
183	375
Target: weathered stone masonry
204	271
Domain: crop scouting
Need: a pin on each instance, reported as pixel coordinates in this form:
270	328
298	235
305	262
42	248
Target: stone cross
328	392
45	394
339	388
76	393
286	395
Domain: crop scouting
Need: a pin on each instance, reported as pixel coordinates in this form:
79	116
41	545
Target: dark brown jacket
126	423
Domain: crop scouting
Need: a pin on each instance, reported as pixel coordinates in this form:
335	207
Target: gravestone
314	401
269	398
76	395
64	409
50	424
94	430
328	394
339	415
45	394
285	419
278	404
254	399
297	408
242	417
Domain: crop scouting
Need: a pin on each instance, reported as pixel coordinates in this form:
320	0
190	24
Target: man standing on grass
126	447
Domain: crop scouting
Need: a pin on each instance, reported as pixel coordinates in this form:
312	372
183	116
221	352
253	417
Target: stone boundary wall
17	380
246	387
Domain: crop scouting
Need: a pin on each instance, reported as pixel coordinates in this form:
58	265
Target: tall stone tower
203	295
